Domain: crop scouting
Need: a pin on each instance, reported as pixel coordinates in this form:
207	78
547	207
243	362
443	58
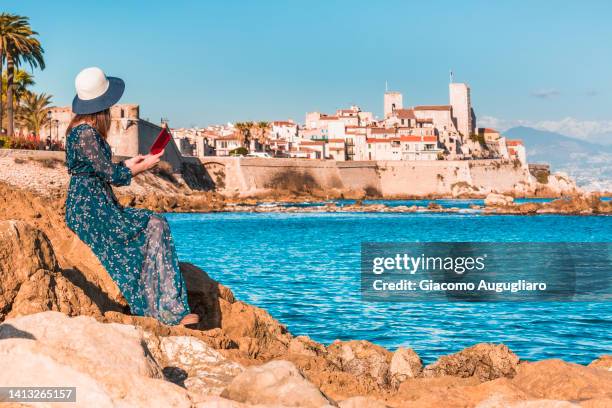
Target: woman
134	245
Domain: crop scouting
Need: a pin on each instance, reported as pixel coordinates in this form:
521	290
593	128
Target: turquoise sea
304	268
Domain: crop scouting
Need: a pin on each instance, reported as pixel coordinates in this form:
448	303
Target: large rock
193	364
108	363
556	379
361	358
493	200
277	382
361	402
405	364
30	278
484	361
604	362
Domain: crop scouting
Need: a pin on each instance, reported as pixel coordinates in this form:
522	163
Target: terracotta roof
433	107
404	113
328	117
489	130
425	120
283	123
515	142
335	140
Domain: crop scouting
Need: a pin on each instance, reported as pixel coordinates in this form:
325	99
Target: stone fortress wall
252	176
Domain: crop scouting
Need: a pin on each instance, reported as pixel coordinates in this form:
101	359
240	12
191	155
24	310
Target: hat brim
116	86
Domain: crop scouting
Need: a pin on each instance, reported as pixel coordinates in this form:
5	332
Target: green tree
32	112
23	80
18	45
262	131
244	129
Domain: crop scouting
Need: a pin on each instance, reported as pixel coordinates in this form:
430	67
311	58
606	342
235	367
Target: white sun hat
95	91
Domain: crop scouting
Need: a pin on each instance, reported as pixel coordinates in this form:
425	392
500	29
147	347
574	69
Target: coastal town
261	226
420	132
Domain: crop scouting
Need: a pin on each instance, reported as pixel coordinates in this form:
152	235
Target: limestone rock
106	362
484	361
556	379
361	402
192	363
603	362
257	333
305	346
277	382
405	364
360	357
30	278
494	199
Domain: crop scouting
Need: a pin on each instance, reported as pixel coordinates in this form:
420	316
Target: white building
462	112
284	130
392	102
403	148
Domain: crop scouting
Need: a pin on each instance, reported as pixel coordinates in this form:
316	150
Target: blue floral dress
134	245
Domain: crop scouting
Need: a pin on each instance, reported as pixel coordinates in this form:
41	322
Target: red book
162	140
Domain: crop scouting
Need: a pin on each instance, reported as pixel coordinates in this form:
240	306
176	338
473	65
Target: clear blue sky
201	62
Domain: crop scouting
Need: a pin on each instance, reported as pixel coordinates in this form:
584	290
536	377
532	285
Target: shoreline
250	337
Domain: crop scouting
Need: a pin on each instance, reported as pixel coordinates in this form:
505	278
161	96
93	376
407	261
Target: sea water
304	269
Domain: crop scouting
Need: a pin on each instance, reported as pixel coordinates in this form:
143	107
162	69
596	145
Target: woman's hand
134	160
140	163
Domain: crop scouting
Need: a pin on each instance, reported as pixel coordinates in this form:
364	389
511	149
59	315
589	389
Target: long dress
134	245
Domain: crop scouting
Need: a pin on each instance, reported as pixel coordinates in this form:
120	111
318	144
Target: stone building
392	102
461	104
129	135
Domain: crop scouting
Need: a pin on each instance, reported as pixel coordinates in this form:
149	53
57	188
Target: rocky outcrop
361	358
483	361
192	363
277	382
604	362
106	362
556	379
577	205
31	281
493	200
405	364
119	359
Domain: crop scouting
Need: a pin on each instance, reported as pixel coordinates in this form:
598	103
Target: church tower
393	102
461	105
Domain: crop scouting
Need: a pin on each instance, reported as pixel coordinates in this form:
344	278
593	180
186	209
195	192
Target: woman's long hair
101	121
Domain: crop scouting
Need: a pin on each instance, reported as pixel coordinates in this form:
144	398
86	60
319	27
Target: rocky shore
64	323
164	191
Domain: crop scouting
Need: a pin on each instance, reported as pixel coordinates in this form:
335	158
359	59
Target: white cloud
545	93
598	131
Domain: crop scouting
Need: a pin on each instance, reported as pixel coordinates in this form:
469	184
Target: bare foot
189	319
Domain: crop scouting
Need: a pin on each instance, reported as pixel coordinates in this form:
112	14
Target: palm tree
262	127
244	128
17	45
23	80
32	112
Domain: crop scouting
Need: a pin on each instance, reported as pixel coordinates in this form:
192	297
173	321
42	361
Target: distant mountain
589	163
